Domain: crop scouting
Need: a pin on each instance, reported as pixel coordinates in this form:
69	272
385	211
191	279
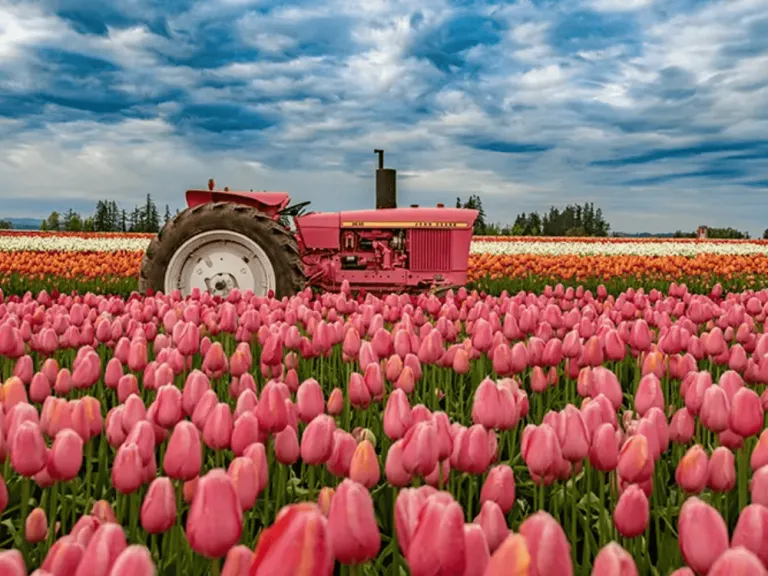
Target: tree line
108	217
574	220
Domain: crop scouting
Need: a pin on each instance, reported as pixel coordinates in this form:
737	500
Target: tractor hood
452	218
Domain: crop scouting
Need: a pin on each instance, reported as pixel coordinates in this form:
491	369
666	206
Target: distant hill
644	235
24	223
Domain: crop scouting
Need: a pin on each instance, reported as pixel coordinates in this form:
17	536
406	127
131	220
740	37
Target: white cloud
603	97
620	5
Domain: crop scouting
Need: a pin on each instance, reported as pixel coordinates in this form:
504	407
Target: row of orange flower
125	264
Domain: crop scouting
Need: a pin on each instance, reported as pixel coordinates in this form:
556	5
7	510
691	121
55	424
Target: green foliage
573	220
109	218
717	234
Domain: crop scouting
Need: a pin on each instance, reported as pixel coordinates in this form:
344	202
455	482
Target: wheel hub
218	262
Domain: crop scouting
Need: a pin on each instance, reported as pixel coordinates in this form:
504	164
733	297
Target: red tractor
225	240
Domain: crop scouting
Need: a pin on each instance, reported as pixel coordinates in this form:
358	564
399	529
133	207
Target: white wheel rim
217	262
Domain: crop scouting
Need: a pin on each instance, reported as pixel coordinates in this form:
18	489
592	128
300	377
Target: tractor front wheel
218	247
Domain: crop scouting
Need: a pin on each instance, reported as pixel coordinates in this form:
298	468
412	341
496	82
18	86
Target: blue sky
657	111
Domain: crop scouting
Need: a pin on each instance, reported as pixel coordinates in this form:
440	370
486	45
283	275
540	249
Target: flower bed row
22	241
543	434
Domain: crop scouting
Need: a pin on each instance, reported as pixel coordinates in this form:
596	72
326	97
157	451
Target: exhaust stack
386	184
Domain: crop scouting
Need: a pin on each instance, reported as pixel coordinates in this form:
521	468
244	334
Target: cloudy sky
657	111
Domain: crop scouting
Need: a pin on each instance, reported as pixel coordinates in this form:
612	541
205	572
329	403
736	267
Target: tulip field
108	263
584	408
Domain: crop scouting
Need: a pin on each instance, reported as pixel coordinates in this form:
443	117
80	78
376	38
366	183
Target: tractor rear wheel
218	247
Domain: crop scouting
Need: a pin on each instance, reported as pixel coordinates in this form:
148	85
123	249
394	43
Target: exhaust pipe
386	184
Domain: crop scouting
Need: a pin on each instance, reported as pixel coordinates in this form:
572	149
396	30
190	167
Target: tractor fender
270	203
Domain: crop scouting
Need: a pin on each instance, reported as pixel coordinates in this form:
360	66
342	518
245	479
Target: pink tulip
238	561
364	466
437	545
215	495
693	470
702	533
158	510
134	561
613	560
298	540
548	546
491	520
352	526
499	487
737	561
632	512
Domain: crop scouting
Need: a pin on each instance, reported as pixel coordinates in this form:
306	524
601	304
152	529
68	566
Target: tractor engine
374	250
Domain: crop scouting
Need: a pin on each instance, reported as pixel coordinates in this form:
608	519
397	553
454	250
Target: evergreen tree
167	215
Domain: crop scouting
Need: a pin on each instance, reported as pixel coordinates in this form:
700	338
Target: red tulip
215	495
298	540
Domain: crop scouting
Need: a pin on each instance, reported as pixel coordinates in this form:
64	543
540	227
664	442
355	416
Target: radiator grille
430	250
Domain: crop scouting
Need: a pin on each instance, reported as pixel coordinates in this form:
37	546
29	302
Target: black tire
274	239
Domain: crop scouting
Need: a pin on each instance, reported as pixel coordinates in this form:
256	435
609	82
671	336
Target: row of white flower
23	242
665	248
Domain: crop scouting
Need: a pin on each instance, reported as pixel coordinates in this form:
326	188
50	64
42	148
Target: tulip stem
742	465
215	568
25	488
52	515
